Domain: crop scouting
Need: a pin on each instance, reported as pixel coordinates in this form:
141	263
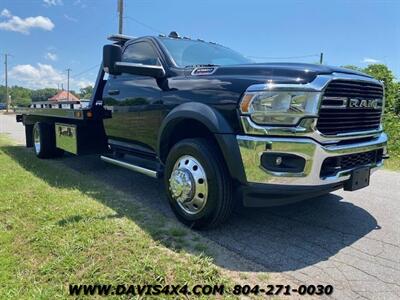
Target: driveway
348	240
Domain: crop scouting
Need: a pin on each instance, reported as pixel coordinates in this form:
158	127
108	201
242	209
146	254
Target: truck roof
122	38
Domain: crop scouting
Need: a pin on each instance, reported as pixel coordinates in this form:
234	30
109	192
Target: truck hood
282	72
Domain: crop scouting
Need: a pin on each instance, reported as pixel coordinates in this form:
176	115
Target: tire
195	168
44	142
28	136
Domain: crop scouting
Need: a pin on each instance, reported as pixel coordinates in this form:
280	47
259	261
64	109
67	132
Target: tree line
392	86
21	96
391	120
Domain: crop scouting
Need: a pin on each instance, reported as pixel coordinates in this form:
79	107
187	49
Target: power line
144	25
87	70
79	74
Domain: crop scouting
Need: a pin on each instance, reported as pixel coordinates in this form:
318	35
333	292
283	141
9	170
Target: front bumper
314	153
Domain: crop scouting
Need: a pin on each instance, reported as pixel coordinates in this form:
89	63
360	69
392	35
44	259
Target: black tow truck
218	128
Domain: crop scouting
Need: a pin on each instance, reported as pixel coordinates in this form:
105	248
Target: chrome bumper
251	149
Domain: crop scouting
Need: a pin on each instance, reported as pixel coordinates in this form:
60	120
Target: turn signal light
244	105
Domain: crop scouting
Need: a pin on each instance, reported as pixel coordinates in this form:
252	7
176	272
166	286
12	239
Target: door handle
113	92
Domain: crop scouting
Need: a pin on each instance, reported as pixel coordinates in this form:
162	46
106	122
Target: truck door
135	101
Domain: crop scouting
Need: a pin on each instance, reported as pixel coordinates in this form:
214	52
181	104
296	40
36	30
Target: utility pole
6	55
121	15
321	58
68	70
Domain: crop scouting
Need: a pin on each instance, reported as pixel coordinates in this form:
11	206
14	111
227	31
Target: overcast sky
45	37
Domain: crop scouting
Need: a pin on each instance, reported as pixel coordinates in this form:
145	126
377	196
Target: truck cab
221	130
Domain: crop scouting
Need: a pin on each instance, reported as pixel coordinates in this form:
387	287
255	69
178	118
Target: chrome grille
337	117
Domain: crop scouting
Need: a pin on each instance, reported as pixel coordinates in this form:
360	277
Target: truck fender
216	124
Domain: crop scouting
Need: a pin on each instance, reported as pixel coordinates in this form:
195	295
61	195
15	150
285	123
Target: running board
132	167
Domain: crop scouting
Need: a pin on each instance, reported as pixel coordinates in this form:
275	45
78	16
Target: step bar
132	167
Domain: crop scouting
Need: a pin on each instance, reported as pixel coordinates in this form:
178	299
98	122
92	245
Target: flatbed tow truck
218	128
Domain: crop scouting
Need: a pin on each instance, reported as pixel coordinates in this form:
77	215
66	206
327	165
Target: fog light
282	162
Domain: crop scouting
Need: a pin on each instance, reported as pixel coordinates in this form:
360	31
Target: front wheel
198	184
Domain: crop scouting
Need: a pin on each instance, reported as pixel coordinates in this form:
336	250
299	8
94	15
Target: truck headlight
280	107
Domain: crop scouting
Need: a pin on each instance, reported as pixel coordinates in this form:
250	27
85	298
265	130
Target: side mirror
140	69
111	55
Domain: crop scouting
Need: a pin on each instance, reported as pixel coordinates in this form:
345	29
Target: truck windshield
190	52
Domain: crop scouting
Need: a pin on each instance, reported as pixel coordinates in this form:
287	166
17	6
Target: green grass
392	128
393	163
58	227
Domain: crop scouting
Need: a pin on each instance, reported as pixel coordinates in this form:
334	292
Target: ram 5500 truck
218	128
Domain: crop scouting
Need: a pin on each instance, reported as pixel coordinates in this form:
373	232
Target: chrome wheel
188	184
36	139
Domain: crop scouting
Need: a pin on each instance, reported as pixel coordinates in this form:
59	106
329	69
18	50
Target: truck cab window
141	53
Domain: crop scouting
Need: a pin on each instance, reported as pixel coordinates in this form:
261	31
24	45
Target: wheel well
187	128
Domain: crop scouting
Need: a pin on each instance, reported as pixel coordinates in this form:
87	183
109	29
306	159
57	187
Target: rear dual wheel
198	184
44	141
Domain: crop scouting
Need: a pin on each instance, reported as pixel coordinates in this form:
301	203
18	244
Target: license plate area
359	179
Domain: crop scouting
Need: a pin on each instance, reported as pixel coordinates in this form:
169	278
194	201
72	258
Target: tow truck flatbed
65	109
217	128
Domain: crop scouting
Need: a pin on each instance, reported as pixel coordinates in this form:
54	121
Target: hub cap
188	184
36	139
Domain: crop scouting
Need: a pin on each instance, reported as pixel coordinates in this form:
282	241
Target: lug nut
278	160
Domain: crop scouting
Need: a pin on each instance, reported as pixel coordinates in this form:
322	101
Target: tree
43	94
2	94
396	105
392	88
19	96
86	92
392	91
